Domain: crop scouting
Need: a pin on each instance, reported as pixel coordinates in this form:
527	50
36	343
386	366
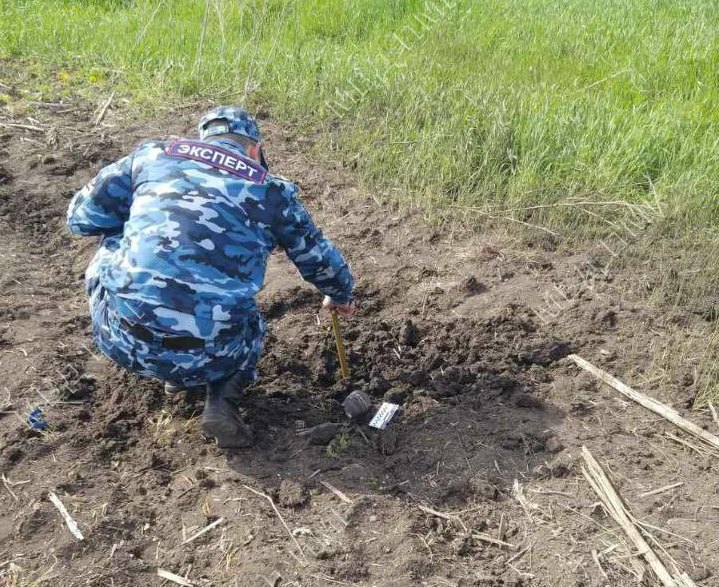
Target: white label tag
384	415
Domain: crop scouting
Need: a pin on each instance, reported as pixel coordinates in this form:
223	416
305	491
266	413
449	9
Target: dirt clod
472	285
322	433
553	444
292	494
546	353
483	489
461	546
409	334
561	465
526	400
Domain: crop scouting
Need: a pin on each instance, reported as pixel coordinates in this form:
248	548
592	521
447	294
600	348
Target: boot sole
227	434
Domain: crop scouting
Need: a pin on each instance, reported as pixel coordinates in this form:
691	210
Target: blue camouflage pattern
184	251
238	120
238	350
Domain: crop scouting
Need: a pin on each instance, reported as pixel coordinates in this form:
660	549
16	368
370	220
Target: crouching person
187	227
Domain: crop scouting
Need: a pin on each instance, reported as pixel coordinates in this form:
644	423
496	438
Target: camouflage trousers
236	351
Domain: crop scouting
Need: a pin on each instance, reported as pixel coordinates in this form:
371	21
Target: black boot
221	420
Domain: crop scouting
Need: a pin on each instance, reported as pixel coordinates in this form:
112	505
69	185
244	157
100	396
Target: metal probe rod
341	354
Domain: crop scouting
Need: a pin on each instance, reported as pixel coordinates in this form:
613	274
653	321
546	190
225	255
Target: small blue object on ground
36	420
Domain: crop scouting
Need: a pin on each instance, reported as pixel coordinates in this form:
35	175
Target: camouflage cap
237	121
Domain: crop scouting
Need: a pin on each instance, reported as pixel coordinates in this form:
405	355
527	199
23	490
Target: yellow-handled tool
341	354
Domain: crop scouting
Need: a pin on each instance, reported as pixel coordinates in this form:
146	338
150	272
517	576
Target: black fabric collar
228	144
232	145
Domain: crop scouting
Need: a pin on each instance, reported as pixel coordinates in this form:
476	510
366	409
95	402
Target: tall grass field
521	107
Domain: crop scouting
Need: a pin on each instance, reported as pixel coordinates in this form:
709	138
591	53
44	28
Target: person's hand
344	310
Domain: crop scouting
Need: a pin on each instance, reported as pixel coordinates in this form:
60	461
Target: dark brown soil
450	327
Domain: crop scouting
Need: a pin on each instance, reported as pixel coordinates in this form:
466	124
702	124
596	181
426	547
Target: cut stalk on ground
649	403
614	505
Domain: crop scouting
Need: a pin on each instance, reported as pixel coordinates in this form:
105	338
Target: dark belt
175	343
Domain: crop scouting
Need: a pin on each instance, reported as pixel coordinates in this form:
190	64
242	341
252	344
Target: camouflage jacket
189	226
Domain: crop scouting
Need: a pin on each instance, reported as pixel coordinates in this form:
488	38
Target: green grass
495	105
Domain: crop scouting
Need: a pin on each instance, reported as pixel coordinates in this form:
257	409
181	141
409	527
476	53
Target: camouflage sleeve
103	205
316	257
